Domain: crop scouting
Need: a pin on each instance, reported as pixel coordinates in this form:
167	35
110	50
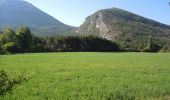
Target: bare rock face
102	27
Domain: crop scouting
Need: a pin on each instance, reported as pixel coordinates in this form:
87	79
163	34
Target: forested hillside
130	31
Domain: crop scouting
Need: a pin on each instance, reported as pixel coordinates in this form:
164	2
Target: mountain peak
15	13
120	25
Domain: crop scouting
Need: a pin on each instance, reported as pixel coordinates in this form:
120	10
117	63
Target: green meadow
89	76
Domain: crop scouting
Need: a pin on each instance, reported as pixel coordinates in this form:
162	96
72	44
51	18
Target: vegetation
6	84
90	76
80	44
82	76
24	41
128	30
151	46
15	42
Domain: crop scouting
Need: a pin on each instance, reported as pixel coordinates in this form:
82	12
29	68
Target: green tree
25	38
2	51
7	35
151	46
8	41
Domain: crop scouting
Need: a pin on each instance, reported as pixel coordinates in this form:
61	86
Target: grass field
90	76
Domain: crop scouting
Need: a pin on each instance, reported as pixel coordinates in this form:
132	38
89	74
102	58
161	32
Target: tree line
22	40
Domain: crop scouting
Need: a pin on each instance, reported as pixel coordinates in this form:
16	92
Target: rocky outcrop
102	27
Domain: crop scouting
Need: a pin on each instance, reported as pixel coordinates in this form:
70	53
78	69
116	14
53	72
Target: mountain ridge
16	13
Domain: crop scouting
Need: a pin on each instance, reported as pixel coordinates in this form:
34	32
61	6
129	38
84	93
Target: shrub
6	84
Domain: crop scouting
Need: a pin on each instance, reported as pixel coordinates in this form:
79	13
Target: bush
2	50
152	48
6	84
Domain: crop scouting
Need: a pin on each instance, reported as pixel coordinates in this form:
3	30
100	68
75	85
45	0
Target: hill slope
129	30
16	13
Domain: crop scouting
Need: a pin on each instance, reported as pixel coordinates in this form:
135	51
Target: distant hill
129	30
15	13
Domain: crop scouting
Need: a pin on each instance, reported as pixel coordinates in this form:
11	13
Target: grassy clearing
90	76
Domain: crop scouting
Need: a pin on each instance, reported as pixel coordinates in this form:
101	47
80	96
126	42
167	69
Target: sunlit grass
89	76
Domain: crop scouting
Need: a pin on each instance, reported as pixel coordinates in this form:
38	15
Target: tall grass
90	76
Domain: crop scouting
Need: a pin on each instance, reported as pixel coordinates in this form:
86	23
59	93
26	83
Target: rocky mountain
129	30
15	13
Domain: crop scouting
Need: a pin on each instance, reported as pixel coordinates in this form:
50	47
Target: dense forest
23	41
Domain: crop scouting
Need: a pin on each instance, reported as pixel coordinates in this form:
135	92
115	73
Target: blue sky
74	12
